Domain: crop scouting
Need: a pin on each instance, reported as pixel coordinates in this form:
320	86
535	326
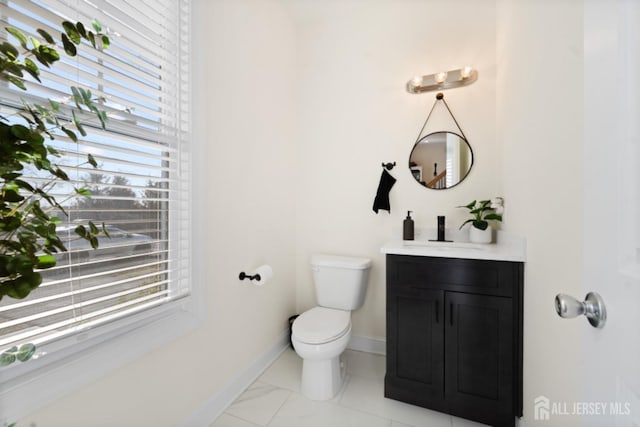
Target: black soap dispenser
441	228
407	227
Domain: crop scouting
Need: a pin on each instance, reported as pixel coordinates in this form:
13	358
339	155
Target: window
140	190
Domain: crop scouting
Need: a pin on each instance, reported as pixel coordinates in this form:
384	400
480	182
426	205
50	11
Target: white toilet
321	334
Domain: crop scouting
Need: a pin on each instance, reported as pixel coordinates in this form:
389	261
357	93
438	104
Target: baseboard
376	345
217	404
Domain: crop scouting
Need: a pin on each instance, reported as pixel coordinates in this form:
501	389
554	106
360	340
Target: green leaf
17	82
7	358
81	231
45	36
92	38
76	122
24	185
72	32
18	35
21	132
86	96
69	47
83	192
46	261
34	42
60	174
81	30
47	55
14	69
9	50
11	223
23	285
93	228
102	115
105	42
25	352
93	240
11	196
32	68
96	25
77	97
71	134
493	216
55	106
17	290
92	161
36	140
21	264
3	266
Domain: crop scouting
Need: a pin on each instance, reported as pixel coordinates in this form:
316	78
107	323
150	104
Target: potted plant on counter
481	212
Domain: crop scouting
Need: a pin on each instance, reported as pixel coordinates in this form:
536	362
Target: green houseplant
29	213
481	213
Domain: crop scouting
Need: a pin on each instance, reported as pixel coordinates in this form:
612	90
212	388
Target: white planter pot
480	236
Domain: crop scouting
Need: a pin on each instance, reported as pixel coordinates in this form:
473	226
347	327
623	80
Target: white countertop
506	248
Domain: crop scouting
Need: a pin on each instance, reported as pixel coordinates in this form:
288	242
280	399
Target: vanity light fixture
440	77
442	80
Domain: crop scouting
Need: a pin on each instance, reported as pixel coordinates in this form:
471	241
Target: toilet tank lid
356	263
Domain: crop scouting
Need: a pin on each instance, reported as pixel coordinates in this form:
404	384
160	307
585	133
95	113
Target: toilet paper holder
259	276
244	275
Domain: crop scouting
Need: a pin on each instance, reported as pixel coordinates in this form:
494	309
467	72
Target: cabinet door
415	346
479	378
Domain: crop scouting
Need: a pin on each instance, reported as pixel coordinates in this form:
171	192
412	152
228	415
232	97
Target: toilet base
322	379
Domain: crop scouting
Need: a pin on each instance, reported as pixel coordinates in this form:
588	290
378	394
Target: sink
443	245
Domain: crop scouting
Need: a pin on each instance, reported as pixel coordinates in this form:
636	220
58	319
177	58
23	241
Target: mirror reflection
441	160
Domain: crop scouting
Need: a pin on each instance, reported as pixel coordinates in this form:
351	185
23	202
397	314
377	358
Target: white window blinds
140	190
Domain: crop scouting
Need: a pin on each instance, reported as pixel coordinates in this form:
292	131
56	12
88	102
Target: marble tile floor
274	400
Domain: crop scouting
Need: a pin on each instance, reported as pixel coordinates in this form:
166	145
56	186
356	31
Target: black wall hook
388	166
244	275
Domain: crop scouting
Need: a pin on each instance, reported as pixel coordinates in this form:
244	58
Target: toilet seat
321	325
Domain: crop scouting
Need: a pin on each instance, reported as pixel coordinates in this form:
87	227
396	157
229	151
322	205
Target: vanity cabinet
454	336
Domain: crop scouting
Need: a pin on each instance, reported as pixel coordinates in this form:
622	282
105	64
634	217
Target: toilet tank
340	281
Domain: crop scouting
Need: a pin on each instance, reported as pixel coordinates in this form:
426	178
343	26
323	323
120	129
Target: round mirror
441	160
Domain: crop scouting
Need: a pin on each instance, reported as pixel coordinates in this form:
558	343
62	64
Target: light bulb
465	73
440	77
416	81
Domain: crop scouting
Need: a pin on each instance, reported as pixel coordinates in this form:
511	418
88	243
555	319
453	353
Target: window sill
59	372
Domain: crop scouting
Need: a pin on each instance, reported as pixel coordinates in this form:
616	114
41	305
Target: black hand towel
382	196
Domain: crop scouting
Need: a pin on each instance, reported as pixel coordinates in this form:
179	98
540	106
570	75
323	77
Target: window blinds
140	190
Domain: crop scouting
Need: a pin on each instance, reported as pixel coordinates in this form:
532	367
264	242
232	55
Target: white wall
354	58
540	122
244	114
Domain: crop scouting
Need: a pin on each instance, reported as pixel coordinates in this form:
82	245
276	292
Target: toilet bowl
320	335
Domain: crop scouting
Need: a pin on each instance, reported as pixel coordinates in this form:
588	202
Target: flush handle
592	307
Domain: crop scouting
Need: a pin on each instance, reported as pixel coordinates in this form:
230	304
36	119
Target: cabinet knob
592	307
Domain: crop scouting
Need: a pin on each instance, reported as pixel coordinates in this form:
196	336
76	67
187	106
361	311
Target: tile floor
274	400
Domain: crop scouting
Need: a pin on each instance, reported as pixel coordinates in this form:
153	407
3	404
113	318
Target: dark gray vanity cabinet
454	336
